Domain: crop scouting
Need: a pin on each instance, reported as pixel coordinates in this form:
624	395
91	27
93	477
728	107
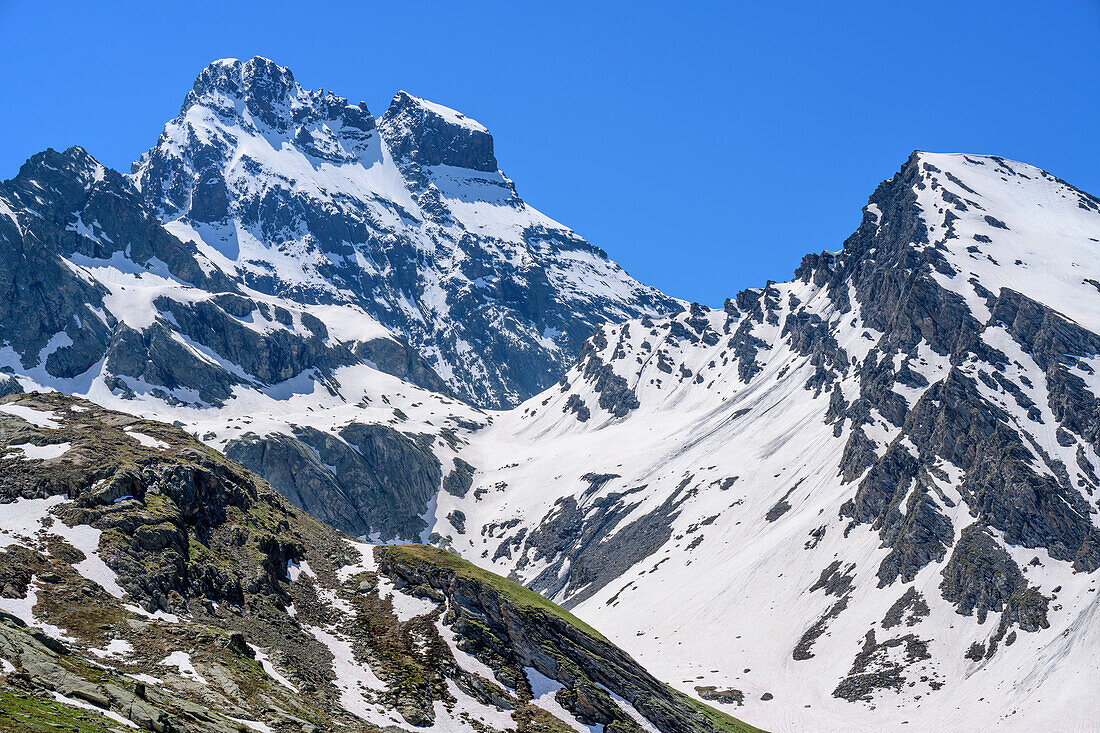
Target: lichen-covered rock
161	583
513	628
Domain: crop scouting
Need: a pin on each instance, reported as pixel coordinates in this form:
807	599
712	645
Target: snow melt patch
465	709
252	724
38	418
23	609
92	567
405	607
32	452
147	678
157	615
147	440
20	519
273	673
88	706
116	648
543	690
467	661
182	662
366	561
353	679
630	710
296	570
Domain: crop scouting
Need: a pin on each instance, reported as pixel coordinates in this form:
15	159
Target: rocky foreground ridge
147	581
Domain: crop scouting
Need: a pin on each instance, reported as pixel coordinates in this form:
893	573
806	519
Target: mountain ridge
301	195
132	550
929	439
869	489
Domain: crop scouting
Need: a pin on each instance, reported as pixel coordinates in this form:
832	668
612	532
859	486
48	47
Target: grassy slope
21	713
527	598
722	721
517	594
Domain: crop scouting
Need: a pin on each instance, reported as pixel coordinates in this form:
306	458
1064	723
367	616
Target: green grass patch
516	594
722	722
21	713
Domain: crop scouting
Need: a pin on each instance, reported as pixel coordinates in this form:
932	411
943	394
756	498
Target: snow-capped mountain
861	498
405	220
99	300
298	194
856	500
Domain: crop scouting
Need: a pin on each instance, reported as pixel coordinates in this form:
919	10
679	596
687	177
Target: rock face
152	581
61	214
125	310
365	480
122	304
909	424
522	638
418	131
300	195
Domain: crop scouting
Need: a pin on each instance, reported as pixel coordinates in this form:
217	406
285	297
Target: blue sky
705	146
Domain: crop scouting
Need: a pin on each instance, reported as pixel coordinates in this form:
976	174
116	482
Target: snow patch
38	418
182	662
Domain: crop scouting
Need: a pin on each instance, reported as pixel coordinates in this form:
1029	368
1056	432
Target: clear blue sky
705	146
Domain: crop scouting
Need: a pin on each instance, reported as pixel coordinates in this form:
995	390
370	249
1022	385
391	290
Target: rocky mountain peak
431	134
74	159
260	93
65	177
911	419
968	226
264	88
294	194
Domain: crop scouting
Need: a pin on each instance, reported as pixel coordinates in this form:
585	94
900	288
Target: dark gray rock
402	361
418	132
370	479
981	577
460	479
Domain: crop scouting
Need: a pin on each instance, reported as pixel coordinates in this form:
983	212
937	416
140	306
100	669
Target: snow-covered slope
860	499
300	195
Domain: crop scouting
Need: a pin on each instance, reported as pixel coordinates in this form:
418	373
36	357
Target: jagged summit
403	101
262	94
984	223
297	194
257	78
